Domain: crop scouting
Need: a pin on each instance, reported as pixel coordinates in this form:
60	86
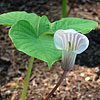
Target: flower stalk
57	85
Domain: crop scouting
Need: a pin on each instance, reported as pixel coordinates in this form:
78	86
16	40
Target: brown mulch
81	84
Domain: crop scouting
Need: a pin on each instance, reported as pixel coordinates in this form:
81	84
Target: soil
83	83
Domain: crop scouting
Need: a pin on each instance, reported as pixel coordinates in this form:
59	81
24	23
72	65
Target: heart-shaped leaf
25	39
11	18
40	24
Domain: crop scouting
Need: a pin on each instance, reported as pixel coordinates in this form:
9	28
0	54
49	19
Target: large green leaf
80	25
25	39
40	24
12	17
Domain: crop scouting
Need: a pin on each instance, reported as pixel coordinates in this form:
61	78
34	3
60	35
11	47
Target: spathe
71	43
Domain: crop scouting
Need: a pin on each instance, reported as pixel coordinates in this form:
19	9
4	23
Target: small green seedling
39	38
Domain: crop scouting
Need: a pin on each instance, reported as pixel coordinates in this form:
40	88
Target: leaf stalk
27	78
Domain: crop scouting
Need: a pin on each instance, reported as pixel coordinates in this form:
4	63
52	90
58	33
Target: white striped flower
71	43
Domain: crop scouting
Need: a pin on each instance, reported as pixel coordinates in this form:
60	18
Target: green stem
27	78
64	8
79	87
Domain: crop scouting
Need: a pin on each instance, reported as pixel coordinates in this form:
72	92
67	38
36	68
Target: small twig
72	4
14	95
57	85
